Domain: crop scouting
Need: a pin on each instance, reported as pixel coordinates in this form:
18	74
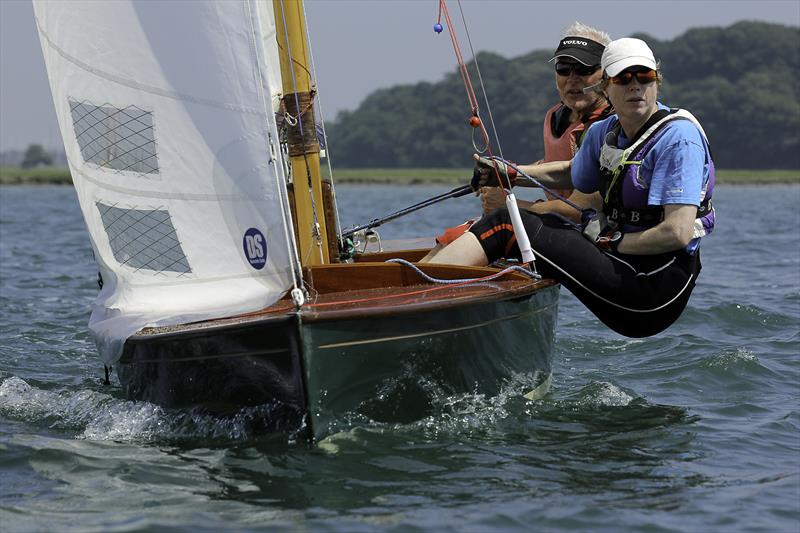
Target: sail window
115	138
144	239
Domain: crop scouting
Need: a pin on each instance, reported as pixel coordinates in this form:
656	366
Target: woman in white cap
643	180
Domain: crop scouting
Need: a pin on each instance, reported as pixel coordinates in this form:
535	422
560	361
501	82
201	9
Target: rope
466	79
462	67
512	268
516	220
480	80
443	284
522	175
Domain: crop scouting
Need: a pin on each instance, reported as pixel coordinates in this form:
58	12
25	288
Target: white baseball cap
624	53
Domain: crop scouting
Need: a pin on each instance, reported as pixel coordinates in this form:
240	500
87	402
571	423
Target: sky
362	45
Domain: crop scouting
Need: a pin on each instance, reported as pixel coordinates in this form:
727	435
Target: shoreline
402	176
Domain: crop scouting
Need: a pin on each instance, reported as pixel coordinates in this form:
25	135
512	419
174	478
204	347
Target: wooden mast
298	100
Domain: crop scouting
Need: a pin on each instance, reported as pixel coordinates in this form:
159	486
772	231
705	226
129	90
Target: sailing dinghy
217	241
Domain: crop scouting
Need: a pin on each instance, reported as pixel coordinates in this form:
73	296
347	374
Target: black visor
580	49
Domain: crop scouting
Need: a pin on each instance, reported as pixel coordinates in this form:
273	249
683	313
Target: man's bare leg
466	250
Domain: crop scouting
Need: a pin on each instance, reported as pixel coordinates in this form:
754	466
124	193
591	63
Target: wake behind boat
224	278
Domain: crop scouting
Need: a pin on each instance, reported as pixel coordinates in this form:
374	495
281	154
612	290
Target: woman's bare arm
673	233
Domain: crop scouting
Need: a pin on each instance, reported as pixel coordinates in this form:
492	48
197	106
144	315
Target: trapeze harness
634	214
635	295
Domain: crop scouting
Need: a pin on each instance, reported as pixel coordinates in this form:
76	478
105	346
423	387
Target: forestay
166	115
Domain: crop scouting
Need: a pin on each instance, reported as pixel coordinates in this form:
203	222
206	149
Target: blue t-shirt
675	168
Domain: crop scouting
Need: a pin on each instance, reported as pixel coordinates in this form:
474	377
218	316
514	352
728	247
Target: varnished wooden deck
372	288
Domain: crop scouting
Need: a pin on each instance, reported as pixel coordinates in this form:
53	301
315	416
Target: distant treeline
49	175
33	155
742	82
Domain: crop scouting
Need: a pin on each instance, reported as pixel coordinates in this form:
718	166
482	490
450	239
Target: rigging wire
316	227
322	123
522	175
258	37
480	80
467	80
473	103
511	202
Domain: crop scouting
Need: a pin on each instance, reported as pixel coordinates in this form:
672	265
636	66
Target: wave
98	416
737	319
102	417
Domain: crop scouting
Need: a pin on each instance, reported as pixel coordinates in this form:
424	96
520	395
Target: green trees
740	81
35	155
742	84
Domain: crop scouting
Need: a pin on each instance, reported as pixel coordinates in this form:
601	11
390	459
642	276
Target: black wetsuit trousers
635	295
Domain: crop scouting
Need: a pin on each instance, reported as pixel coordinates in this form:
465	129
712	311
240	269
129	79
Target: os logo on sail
255	248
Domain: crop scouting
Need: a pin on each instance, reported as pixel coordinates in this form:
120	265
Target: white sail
165	112
270	44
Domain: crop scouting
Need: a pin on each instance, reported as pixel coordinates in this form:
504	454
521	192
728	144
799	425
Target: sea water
696	429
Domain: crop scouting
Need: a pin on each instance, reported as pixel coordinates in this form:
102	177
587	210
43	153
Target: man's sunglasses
642	76
565	69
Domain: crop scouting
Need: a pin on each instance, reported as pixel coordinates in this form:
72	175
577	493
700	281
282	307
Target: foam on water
101	417
737	358
604	394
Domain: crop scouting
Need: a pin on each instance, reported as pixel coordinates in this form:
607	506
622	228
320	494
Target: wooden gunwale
395	290
370	290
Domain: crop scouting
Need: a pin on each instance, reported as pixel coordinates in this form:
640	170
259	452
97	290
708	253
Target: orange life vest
555	149
563	148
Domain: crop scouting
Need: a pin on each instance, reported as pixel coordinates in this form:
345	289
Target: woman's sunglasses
642	76
565	69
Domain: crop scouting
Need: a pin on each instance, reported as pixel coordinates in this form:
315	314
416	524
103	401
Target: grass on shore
35	176
395	176
758	177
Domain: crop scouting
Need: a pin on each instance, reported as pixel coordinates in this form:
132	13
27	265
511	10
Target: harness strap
655	117
612	196
649	127
649	216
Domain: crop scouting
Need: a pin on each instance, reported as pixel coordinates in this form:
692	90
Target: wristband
614	240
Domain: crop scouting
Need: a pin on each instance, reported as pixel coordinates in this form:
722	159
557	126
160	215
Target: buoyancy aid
625	194
563	146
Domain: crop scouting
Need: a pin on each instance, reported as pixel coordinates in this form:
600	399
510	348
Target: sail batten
166	115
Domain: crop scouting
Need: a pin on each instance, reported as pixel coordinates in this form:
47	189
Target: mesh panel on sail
115	138
144	238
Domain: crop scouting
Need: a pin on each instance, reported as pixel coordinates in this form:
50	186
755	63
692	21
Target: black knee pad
496	235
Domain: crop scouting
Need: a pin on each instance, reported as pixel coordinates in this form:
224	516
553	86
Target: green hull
374	343
392	368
